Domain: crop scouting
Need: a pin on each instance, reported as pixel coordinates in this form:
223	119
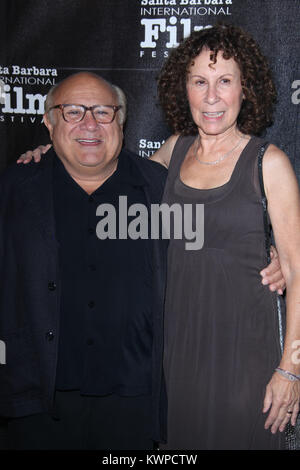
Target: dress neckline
215	188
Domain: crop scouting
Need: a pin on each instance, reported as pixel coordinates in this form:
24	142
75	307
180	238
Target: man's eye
73	112
101	112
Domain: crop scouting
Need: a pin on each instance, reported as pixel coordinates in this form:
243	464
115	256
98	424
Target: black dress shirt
105	339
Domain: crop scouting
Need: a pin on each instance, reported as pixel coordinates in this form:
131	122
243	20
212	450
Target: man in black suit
81	317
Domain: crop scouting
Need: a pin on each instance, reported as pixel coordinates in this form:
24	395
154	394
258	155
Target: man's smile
93	141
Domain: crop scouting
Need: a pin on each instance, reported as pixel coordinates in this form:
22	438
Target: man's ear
48	124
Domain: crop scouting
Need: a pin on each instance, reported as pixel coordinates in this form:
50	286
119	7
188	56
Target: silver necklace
215	162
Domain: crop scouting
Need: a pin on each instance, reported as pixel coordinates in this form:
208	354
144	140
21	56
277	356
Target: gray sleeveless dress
221	325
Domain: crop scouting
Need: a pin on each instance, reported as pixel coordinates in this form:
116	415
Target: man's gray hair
121	98
121	101
50	98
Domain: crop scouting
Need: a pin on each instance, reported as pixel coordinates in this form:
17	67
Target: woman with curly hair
222	344
223	364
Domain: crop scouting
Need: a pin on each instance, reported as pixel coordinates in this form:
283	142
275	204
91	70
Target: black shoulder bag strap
267	227
264	201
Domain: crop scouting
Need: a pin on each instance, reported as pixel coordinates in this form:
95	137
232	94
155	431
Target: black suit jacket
30	289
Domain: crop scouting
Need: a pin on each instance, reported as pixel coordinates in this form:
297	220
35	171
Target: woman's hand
34	154
272	274
282	396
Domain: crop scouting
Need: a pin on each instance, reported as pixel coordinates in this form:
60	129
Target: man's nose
89	121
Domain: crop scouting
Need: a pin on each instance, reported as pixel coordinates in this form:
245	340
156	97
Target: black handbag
292	434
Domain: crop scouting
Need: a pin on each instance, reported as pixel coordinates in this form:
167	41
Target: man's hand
272	274
34	154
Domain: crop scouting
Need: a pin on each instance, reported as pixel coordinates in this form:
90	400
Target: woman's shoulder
274	157
278	170
163	155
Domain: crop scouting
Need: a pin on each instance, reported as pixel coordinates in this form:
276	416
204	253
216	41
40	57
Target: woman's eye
225	80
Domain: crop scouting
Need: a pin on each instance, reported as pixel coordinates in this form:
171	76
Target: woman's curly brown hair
257	84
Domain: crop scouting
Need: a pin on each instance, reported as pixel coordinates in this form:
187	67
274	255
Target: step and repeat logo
296	92
166	22
23	92
146	147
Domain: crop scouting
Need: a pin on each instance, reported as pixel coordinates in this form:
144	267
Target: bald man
81	313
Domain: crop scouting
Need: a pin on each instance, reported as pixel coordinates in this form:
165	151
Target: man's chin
90	161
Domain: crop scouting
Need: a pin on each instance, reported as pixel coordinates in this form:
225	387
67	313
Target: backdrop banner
127	41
